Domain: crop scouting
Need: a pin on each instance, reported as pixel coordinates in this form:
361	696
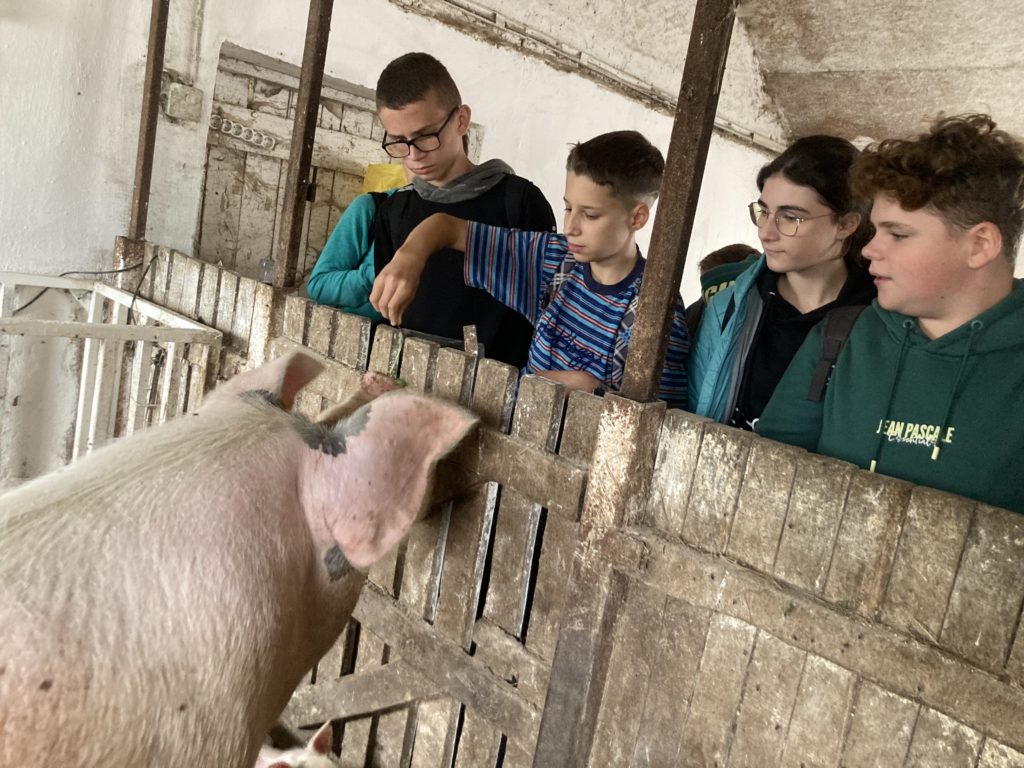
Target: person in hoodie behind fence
425	124
930	384
811	227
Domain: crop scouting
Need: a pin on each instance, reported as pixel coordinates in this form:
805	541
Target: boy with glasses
425	125
580	288
929	385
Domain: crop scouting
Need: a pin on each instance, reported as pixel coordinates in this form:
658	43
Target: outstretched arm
395	286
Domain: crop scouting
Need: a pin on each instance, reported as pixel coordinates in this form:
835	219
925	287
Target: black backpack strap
835	331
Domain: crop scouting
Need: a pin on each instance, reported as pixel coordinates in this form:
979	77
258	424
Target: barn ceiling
874	68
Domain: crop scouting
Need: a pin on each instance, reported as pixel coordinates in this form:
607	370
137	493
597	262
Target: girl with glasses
811	227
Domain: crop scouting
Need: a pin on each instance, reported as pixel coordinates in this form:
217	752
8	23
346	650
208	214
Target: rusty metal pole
680	189
129	250
626	446
318	29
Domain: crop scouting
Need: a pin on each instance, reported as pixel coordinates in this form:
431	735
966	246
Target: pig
316	753
161	598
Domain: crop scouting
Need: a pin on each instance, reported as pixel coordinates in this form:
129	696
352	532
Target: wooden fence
625	585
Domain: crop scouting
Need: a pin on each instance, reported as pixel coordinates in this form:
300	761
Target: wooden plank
940	740
198	375
71	329
386	350
583	411
320	332
265	302
170	383
926	562
678	450
334	150
162	262
985	605
140	387
232	88
357	121
996	755
716	487
544	478
447	663
226	304
258	208
176	283
494	393
346	188
190	291
87	378
816	730
319	214
360	694
11	281
629	677
769	695
880	729
147	308
222	205
536	422
357	742
206	312
269	98
296	316
108	382
479	743
352	340
421	571
763	500
707	732
7	296
241	323
866	543
676	655
506	657
812	521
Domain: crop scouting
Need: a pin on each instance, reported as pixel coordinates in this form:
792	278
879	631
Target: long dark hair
823	163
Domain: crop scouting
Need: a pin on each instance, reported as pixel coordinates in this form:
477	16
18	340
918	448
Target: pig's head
367	464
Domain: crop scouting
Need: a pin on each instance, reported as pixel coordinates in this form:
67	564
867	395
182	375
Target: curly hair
963	168
623	160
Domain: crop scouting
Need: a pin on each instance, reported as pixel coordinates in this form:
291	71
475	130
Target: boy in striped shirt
580	288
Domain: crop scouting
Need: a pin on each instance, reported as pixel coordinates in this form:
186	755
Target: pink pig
161	598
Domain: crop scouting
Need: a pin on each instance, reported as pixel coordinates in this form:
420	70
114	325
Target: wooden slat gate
133	374
713	598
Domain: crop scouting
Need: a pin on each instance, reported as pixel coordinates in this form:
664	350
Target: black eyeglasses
426	142
787	223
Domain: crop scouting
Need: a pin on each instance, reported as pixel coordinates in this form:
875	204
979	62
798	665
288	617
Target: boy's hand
395	286
572	379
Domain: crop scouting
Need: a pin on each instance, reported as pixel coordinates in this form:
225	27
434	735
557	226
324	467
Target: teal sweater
946	412
343	275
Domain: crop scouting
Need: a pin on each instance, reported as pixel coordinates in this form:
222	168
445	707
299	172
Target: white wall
72	87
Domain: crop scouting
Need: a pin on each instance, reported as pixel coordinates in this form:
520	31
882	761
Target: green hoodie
946	412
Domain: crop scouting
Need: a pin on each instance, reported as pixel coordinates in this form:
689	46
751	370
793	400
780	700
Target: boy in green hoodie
930	384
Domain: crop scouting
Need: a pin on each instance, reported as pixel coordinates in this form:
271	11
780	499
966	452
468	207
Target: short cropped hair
412	77
623	160
962	168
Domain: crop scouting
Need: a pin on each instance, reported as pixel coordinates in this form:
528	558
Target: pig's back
129	560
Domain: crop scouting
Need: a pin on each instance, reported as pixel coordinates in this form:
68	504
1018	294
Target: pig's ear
321	741
283	378
365	486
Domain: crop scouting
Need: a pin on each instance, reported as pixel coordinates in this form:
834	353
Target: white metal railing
133	375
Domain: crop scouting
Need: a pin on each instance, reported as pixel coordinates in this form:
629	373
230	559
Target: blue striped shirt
577	329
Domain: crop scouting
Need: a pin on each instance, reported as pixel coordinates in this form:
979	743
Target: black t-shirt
780	334
443	302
